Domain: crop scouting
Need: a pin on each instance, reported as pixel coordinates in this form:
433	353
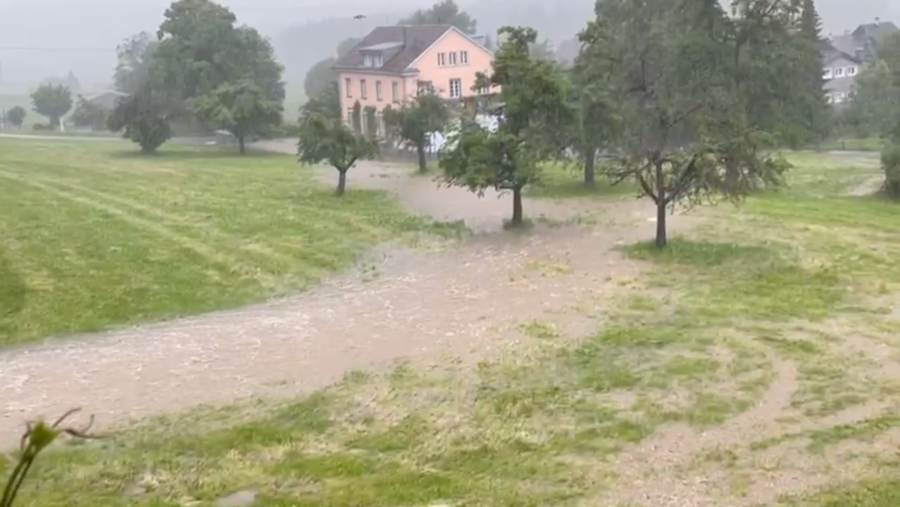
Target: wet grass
93	235
693	343
560	180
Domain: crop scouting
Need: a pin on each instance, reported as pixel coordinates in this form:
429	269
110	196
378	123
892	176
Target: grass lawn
752	359
92	235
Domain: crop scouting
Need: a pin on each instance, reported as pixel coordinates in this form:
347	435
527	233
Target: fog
43	38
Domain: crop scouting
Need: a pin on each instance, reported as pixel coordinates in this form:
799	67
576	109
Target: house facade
392	64
844	56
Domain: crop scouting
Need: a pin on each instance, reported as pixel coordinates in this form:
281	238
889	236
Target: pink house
394	63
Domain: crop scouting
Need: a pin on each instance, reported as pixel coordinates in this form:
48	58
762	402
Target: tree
874	108
445	12
242	109
200	49
134	60
813	108
674	73
534	107
327	103
319	77
543	49
143	118
88	114
416	121
331	141
52	101
16	116
596	120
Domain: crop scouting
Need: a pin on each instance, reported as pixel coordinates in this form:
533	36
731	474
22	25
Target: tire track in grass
314	260
227	264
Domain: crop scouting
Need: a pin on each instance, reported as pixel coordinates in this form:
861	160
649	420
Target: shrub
890	163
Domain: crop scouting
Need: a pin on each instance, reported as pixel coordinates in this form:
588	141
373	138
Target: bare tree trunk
423	164
342	182
241	147
517	218
661	203
590	162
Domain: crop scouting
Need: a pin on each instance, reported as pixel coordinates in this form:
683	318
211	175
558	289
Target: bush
890	163
39	126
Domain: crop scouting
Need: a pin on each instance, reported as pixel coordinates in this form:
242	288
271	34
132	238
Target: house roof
876	31
106	99
410	40
833	56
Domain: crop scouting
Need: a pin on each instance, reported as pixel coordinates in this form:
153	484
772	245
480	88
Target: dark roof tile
415	39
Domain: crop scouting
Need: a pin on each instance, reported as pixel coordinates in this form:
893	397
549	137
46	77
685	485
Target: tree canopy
143	118
16	115
533	109
415	122
689	84
445	12
331	141
241	108
134	59
52	101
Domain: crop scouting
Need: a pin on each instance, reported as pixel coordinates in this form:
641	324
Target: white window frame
851	71
828	74
442	59
348	87
363	92
464	57
458	88
395	91
452	58
839	72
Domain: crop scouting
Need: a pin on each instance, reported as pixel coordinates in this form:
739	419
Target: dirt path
420	306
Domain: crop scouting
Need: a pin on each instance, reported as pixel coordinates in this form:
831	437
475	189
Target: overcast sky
92	28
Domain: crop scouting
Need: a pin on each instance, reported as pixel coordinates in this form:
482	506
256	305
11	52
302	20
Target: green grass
789	278
853	144
567	180
92	235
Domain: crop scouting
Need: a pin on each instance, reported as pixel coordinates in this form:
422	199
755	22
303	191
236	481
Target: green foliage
88	114
319	77
37	437
327	103
52	101
134	60
143	118
694	114
356	117
331	141
241	108
890	163
415	122
875	106
16	115
371	122
534	111
201	49
445	12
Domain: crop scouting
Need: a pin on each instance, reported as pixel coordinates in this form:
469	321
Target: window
395	92
484	91
455	88
347	88
839	97
350	116
378	90
362	89
453	58
839	72
464	57
442	59
827	74
373	60
851	71
425	87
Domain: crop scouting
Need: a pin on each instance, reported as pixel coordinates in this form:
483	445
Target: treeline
874	109
690	100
